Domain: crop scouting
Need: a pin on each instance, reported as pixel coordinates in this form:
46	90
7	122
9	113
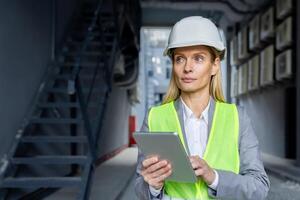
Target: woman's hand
155	171
202	169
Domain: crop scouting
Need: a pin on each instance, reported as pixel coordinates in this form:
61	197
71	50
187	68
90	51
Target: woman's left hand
202	169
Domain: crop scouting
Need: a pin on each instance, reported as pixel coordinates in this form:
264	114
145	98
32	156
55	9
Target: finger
158	181
196	157
151	156
150	161
156	166
195	163
192	158
163	176
199	172
148	173
202	161
198	162
161	171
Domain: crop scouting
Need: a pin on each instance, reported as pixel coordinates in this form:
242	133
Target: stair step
65	90
90	16
106	32
82	76
80	38
83	64
57	160
58	105
55	121
96	33
54	139
91	43
86	53
58	90
36	182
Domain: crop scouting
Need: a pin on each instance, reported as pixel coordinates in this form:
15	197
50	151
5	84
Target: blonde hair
215	88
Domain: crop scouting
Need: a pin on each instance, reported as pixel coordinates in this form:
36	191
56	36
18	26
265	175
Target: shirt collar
189	113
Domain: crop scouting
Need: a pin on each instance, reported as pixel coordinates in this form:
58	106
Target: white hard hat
195	30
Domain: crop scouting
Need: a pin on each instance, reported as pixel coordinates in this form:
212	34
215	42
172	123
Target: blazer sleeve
140	186
252	182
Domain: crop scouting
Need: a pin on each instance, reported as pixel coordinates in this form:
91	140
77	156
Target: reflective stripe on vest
221	151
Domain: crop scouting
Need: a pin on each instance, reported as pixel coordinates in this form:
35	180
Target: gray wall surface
267	112
115	125
25	51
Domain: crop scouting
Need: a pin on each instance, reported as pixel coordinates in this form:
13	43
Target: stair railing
4	163
74	84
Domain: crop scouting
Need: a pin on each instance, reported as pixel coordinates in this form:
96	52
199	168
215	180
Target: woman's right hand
155	171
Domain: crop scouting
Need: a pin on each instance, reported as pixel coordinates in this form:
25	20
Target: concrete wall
25	51
115	126
271	119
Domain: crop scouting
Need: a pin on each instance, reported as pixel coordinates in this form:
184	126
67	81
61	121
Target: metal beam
297	28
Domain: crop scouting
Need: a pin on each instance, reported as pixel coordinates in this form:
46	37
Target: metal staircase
57	144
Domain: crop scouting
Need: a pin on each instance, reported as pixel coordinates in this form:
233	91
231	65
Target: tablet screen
167	146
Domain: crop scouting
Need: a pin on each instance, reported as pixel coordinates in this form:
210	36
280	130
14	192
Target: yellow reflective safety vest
221	151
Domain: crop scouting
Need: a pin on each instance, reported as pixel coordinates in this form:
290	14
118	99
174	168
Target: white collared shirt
196	130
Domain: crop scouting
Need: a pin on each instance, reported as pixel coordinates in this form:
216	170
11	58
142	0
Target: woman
218	137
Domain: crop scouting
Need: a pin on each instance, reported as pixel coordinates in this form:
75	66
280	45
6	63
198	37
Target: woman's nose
188	67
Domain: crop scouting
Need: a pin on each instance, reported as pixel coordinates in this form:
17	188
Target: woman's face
193	68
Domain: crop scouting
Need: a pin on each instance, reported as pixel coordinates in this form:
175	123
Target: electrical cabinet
243	44
267	66
233	51
283	8
254	40
270	36
243	79
284	34
253	73
284	65
267	25
234	82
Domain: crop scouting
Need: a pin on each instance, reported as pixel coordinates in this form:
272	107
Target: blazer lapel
179	109
211	111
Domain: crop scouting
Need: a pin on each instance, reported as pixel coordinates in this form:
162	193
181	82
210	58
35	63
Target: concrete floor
281	189
113	180
109	180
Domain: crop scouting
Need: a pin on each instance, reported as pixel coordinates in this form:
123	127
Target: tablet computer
167	146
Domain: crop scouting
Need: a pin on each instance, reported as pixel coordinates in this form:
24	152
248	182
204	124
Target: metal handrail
86	120
75	82
108	75
97	68
86	40
99	124
93	134
4	163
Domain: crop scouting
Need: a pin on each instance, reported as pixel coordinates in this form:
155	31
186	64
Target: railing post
53	34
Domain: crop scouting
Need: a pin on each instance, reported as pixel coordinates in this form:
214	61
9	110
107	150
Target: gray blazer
252	181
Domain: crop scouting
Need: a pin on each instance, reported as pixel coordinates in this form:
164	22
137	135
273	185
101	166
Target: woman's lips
188	79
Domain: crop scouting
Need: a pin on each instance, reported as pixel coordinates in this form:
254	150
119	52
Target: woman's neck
196	102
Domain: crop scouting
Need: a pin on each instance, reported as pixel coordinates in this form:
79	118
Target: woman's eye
199	58
179	59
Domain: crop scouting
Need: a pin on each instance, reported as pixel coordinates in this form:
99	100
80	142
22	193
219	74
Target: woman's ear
216	66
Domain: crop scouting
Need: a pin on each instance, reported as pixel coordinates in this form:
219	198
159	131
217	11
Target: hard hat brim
219	47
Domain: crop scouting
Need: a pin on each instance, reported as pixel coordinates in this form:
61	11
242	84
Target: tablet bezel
155	143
